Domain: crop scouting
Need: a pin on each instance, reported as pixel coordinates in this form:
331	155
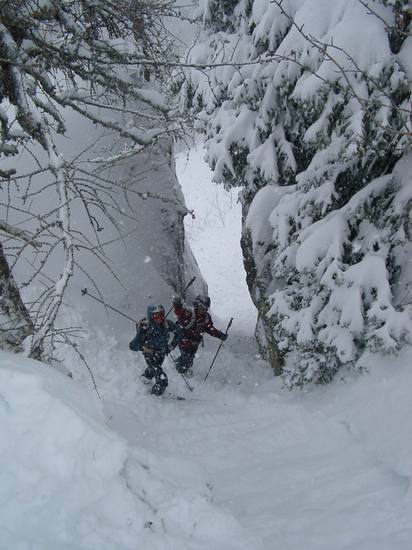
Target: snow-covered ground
240	464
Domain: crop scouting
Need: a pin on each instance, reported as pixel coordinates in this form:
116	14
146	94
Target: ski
180	398
173	396
168	395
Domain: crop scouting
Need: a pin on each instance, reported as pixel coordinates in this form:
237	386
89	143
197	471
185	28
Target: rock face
315	125
153	259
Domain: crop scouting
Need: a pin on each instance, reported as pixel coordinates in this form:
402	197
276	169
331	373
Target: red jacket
194	323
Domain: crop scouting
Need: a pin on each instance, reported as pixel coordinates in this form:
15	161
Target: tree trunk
15	322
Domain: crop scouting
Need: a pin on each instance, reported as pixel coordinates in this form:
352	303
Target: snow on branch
104	61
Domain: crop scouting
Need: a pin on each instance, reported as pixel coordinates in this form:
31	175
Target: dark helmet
156	312
201	302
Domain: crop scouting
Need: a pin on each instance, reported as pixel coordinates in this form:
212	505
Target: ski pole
181	373
84	291
187	383
184	292
218	349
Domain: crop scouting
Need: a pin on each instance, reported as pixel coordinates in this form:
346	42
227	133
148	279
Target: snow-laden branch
57	168
399	27
77	55
347	72
19	233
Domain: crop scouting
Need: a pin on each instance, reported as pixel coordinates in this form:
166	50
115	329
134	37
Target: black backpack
137	342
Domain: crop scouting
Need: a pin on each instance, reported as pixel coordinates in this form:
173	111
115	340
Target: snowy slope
240	464
70	483
322	470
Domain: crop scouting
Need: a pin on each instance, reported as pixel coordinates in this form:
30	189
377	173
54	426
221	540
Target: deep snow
241	464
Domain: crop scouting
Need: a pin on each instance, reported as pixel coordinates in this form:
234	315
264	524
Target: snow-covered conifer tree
308	109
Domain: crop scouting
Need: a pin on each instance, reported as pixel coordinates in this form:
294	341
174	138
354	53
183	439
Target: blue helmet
153	310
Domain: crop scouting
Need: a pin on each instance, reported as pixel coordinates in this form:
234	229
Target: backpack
137	344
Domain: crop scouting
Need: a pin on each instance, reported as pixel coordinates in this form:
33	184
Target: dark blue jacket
153	338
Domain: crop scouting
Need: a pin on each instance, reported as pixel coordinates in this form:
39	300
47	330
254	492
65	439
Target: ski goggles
158	316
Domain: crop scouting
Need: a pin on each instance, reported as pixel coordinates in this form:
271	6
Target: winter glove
223	336
177	302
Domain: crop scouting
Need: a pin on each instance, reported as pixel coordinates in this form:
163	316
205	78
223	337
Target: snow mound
69	482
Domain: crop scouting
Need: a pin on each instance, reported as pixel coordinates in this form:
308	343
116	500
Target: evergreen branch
323	47
388	26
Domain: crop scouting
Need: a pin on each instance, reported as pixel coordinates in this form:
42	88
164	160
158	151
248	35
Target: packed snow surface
240	464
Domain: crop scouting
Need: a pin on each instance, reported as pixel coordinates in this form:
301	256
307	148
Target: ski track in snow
288	467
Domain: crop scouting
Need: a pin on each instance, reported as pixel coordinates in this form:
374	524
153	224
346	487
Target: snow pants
154	370
185	361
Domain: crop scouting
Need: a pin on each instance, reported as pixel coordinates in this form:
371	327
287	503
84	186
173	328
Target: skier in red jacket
194	321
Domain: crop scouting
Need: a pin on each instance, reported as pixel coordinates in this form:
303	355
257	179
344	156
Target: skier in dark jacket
194	322
152	338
